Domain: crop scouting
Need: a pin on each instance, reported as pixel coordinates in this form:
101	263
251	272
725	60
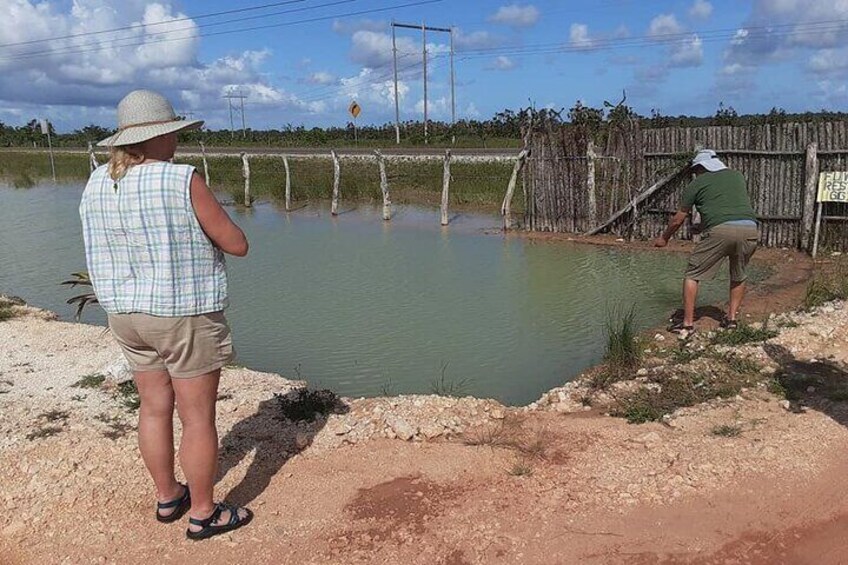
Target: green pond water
365	307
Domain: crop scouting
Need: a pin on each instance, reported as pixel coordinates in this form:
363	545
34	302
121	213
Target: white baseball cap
707	159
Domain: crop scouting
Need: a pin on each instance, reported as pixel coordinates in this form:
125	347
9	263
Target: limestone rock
118	371
401	428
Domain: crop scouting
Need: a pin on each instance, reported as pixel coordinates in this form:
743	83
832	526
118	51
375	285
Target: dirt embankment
750	478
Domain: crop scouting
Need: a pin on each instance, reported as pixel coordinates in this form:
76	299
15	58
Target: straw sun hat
143	115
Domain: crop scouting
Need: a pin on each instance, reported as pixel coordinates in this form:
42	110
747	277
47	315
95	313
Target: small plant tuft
727	430
442	386
128	394
744	334
623	351
520	468
93	380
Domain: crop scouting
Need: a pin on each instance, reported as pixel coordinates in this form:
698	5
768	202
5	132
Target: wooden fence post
205	163
245	171
590	183
384	185
446	187
288	182
337	171
808	214
92	160
506	207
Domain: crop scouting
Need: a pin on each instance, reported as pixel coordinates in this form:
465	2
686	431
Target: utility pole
424	29
453	91
424	59
397	102
239	96
243	132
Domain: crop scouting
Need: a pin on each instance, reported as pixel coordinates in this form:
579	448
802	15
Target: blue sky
677	56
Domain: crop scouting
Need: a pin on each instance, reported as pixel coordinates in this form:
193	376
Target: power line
163	34
241	30
707	36
140	26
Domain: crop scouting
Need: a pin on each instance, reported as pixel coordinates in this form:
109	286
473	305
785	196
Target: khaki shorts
187	346
735	242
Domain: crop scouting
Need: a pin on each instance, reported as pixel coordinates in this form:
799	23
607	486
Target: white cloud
786	28
579	36
503	63
829	62
688	53
436	108
475	39
471	111
516	15
372	49
372	91
321	78
701	10
664	25
733	69
88	74
349	27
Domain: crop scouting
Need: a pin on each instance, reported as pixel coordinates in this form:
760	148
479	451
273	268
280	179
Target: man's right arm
679	218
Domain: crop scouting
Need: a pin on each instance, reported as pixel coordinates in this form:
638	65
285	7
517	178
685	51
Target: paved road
401	151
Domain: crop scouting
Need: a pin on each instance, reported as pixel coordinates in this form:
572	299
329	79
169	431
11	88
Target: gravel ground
423	479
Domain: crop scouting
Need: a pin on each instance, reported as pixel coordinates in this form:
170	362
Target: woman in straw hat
155	238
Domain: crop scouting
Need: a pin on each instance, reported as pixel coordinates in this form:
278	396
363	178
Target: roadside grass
411	181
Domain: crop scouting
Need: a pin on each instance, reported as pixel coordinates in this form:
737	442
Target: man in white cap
729	229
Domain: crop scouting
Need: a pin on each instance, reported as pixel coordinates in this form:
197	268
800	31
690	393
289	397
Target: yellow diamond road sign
354	109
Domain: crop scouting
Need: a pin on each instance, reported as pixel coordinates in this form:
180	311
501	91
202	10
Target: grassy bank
475	184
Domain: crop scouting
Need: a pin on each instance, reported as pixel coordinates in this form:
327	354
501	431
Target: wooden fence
565	175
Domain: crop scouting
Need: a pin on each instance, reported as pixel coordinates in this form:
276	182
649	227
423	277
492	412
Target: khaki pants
736	242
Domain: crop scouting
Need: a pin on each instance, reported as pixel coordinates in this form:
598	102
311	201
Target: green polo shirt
720	197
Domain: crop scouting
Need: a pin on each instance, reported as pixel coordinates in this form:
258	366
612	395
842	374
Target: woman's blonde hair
122	157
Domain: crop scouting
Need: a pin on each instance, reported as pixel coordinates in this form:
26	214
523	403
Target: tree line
503	129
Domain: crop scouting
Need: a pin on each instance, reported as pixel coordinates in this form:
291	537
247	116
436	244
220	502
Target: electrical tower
231	95
424	29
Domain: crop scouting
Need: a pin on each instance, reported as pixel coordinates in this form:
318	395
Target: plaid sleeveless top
144	246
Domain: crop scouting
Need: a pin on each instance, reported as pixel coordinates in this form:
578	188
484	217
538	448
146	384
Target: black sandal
182	504
684	332
728	324
208	529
